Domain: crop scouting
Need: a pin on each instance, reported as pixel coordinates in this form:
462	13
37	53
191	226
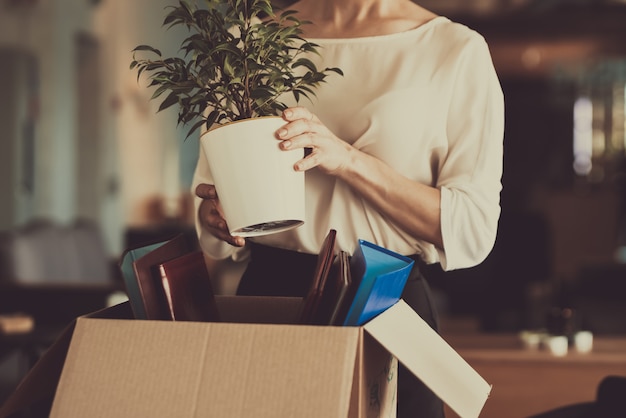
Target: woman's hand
211	216
412	206
304	130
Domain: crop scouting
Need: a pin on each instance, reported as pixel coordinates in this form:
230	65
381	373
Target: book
150	299
127	270
187	287
335	292
325	258
380	276
168	282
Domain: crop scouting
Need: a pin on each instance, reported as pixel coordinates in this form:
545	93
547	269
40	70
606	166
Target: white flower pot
259	190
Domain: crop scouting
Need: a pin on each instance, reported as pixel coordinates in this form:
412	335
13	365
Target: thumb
206	191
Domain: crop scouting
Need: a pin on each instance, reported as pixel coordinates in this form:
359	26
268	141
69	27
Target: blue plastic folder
382	275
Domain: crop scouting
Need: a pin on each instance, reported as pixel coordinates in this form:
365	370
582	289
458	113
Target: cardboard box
256	364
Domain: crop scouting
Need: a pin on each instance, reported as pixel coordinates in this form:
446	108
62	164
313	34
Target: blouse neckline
363	39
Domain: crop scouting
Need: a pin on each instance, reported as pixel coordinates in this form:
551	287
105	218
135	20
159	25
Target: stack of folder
168	281
351	290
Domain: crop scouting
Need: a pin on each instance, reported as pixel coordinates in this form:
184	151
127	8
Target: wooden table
530	381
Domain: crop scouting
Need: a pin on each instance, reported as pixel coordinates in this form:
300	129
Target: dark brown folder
188	289
337	291
325	258
149	279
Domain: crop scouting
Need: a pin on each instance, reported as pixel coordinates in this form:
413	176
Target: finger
206	191
232	240
307	163
298	112
213	220
223	233
305	140
216	224
299	129
237	241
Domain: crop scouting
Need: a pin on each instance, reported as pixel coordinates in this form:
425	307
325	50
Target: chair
610	402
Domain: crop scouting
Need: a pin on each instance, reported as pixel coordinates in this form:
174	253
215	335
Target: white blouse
429	104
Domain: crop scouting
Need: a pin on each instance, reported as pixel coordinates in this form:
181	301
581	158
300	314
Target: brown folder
188	289
311	301
336	297
149	279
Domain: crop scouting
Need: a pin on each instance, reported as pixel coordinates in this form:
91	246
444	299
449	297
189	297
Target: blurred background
89	168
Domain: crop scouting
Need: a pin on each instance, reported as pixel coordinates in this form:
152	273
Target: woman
406	152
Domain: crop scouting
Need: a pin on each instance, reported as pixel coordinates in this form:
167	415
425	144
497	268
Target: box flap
36	391
33	396
430	358
117	368
258	309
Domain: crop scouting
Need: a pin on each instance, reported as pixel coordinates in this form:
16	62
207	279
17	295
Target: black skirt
276	272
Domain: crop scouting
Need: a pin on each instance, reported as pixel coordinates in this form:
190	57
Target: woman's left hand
304	130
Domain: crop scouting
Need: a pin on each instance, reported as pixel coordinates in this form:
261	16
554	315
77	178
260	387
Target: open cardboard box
257	363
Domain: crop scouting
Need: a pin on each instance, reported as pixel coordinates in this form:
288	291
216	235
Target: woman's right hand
211	216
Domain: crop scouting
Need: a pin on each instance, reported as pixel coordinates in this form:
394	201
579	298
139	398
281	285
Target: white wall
140	149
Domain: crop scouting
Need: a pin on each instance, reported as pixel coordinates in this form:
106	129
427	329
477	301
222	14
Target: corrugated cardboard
258	363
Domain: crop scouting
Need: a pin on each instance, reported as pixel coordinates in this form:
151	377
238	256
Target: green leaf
335	70
230	63
194	128
305	62
147	48
169	101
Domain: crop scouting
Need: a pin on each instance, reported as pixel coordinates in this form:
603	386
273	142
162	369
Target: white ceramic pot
258	188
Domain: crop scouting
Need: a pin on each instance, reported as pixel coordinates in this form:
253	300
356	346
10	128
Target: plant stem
247	110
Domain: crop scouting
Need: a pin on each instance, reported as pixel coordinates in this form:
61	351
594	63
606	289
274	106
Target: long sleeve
470	175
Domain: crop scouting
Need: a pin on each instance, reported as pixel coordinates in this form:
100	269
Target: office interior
89	164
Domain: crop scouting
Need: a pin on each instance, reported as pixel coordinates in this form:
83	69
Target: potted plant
239	63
